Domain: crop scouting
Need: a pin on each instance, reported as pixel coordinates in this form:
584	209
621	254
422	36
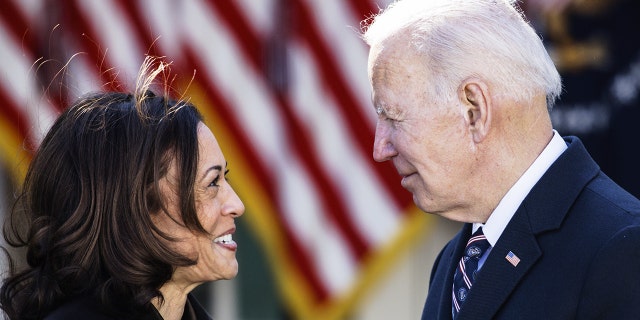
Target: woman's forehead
209	150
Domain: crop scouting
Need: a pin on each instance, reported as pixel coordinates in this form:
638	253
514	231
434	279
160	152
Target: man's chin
421	205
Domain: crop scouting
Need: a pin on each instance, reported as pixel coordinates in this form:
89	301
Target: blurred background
328	233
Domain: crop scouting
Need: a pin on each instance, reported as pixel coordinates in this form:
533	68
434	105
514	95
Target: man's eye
391	120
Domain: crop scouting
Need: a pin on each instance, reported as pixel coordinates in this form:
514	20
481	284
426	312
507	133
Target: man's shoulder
611	194
610	205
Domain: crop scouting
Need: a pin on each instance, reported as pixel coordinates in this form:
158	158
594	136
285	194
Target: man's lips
405	177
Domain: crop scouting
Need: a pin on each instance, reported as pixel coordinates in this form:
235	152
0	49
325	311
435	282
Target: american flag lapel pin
512	258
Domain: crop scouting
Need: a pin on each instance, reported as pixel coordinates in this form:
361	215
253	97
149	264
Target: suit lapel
498	277
543	209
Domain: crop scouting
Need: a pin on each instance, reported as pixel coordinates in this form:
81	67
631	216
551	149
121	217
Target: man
463	89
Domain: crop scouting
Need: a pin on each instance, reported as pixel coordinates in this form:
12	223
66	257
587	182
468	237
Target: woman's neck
175	299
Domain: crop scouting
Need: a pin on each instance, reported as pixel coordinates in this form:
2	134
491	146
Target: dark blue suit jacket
577	234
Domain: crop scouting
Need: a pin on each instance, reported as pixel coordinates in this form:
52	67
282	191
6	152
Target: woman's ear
476	107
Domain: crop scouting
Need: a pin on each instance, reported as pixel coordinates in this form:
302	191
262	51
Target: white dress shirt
507	207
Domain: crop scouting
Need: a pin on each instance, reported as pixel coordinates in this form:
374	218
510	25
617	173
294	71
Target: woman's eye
216	181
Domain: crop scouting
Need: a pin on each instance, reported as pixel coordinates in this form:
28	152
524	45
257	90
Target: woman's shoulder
78	308
82	308
194	310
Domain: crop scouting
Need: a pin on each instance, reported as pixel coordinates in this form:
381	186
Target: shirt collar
507	207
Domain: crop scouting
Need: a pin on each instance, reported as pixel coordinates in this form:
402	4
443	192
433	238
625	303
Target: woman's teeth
227	238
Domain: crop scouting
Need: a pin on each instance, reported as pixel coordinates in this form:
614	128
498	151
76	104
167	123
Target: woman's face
217	206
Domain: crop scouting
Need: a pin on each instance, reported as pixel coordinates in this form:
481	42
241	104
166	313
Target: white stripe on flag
81	77
260	14
337	267
32	9
164	27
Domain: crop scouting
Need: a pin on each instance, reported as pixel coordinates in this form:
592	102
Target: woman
128	209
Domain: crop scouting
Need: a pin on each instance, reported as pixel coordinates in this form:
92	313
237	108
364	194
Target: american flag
283	86
512	258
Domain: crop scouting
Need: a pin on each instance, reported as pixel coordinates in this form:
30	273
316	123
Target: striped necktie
467	268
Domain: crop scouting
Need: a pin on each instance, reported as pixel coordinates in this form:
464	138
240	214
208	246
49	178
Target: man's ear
476	107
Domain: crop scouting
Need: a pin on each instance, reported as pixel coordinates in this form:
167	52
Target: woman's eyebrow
217	167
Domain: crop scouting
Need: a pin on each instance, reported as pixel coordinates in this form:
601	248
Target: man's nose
383	149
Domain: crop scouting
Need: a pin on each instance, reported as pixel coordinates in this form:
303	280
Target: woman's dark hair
87	202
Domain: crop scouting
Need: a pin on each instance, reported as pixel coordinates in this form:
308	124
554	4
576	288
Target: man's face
427	141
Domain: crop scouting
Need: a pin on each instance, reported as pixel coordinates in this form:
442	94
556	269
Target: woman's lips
226	241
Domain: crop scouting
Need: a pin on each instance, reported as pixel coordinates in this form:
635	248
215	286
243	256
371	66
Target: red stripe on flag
363	9
300	141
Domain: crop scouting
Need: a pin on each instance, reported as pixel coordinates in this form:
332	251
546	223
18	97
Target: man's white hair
489	39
